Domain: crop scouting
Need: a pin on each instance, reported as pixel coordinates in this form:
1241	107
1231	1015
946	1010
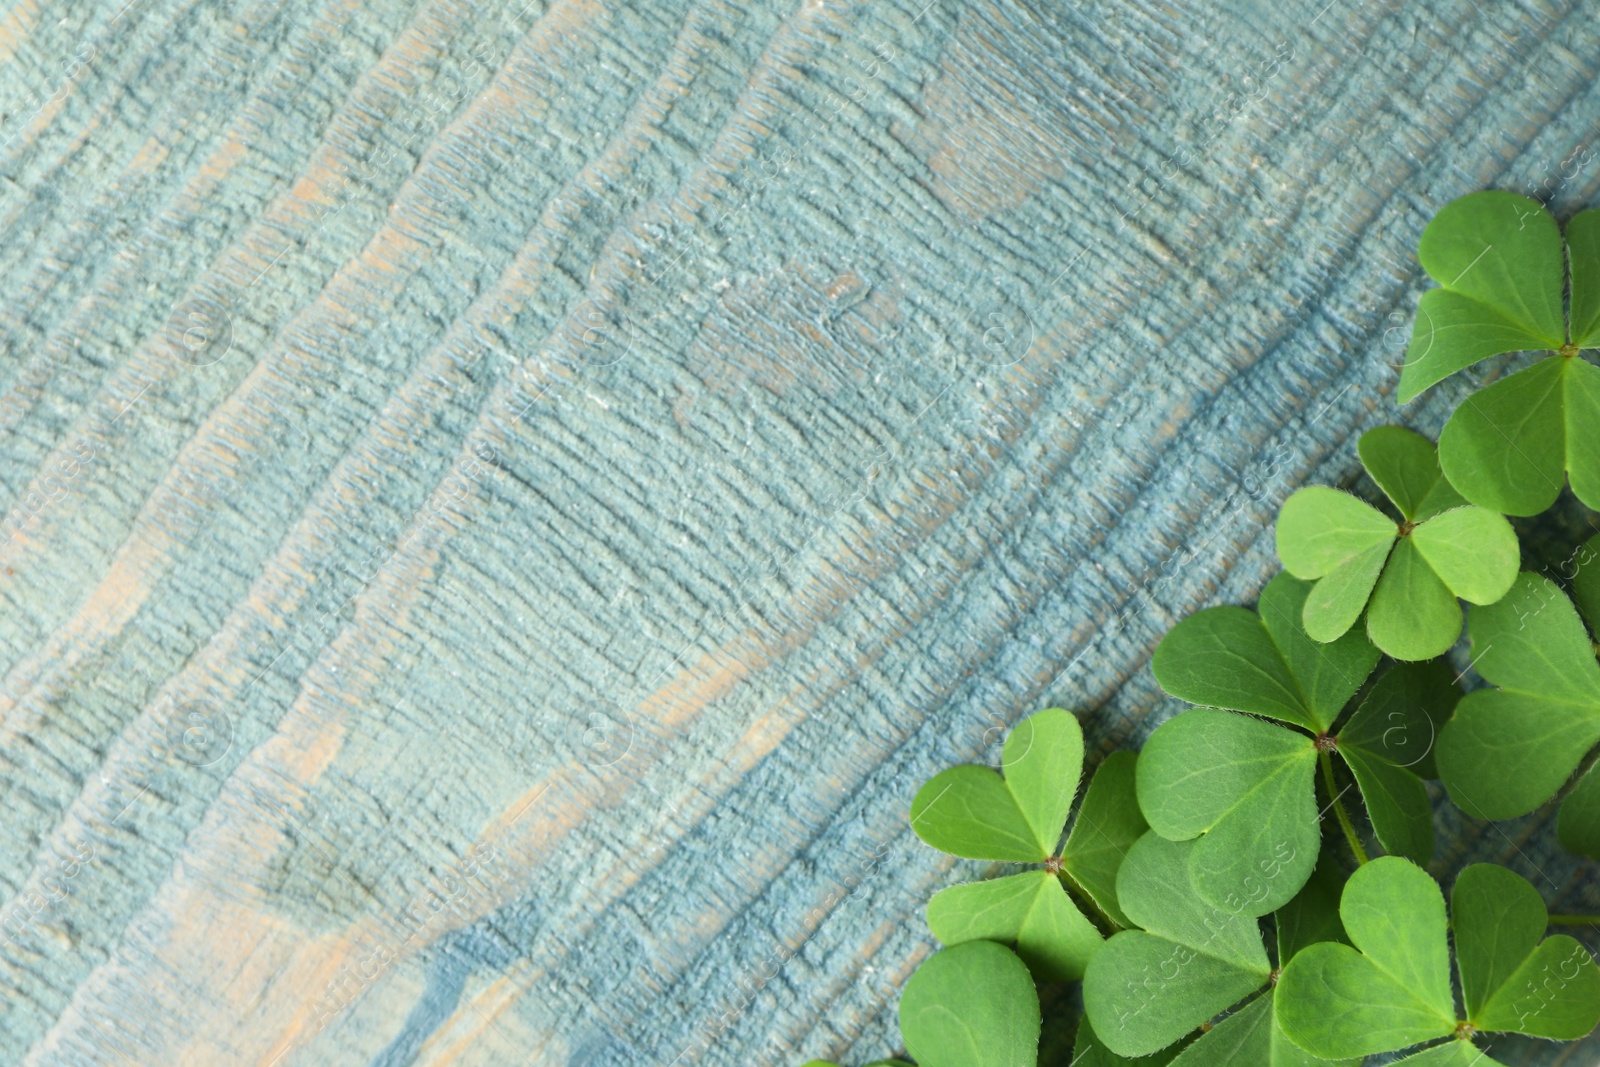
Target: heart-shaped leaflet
1511	748
1498	259
1149	987
972	1005
1405	576
975	813
1392	989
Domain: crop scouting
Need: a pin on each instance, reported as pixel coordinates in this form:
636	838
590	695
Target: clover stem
1575	920
1338	807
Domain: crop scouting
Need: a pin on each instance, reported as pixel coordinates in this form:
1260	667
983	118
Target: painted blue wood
503	505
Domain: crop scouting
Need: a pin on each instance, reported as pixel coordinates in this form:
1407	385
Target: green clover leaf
1457	1053
1264	664
1244	792
1578	824
1030	911
1248	1036
1109	822
971	1005
974	812
1498	258
1510	445
1406	576
1406	467
1392	989
1510	749
1149	987
1512	977
1244	788
1388	744
1252	1036
1089	1051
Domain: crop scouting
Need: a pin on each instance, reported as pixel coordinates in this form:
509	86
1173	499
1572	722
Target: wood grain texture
503	505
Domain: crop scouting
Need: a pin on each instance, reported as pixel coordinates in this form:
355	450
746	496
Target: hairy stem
1338	807
1575	920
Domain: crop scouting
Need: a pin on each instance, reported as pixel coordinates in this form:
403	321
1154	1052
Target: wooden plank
503	505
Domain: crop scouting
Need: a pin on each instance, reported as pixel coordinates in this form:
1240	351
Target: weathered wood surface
502	506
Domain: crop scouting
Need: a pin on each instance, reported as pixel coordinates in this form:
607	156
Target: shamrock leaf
1251	1036
1406	575
1392	988
1509	749
1388	745
973	812
1147	988
1089	1051
1498	259
1029	910
1510	445
1457	1053
1109	822
971	1005
1246	788
1264	664
1512	980
1152	986
1405	465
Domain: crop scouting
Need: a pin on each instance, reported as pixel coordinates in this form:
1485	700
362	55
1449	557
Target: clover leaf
1151	990
1578	824
1498	259
1509	749
1188	961
1390	987
1263	662
1030	911
1406	576
975	813
971	811
1457	1053
971	1005
1388	745
1109	822
1089	1051
1244	788
1251	1036
1244	791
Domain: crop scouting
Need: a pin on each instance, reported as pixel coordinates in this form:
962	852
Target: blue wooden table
503	505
